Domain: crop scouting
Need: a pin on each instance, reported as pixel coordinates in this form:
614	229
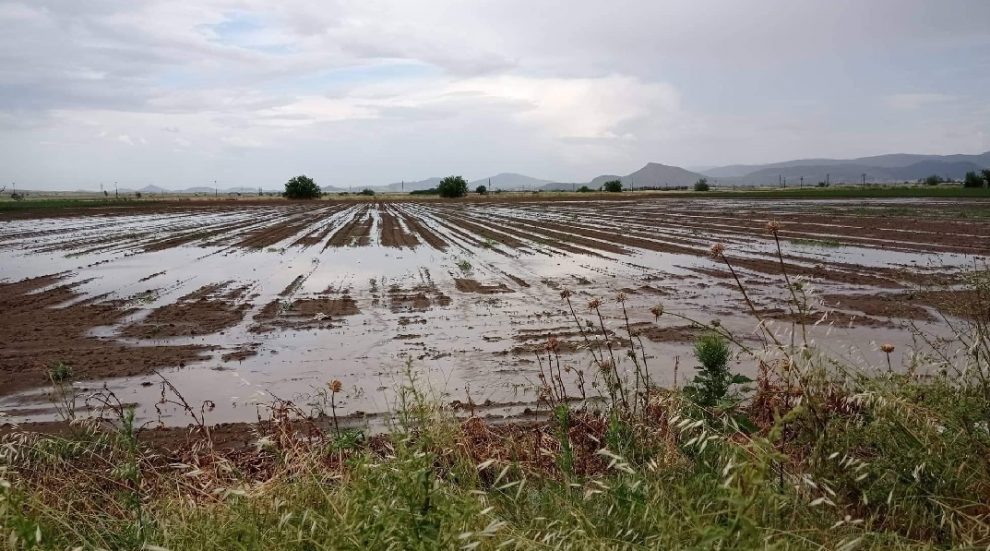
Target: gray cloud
367	92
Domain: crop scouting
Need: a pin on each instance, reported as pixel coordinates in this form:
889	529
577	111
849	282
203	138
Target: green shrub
612	186
302	187
973	179
453	186
368	191
702	185
584	189
711	386
481	190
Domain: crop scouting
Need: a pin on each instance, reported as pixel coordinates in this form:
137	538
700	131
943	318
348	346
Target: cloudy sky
251	92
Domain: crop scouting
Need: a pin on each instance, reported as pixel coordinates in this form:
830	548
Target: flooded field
239	303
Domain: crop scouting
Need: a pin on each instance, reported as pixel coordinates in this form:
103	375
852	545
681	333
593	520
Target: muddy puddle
242	304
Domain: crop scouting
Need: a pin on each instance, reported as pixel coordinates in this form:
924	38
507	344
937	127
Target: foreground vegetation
812	453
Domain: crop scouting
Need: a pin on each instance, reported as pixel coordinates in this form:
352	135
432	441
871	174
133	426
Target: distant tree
973	179
302	187
453	186
986	176
612	186
934	180
481	190
584	189
702	185
368	191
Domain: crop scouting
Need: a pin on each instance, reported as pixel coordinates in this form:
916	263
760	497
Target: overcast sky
252	92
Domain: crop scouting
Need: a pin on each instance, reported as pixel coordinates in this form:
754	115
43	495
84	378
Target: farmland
240	302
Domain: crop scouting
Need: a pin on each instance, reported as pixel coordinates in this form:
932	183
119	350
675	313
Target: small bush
431	191
453	186
613	186
368	191
481	190
702	185
714	380
60	372
302	187
973	179
934	180
584	189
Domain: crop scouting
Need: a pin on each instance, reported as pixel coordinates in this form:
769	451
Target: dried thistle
717	250
565	294
773	227
657	311
620	297
552	345
335	386
887	348
594	303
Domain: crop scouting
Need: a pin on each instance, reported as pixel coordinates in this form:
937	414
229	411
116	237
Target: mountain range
899	167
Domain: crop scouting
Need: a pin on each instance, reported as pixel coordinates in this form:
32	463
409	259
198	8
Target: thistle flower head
552	345
717	250
620	297
773	227
594	303
565	294
335	386
887	347
657	311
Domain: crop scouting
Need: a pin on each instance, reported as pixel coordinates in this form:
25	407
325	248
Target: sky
368	92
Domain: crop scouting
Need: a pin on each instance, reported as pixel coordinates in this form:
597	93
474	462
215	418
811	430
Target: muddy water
462	296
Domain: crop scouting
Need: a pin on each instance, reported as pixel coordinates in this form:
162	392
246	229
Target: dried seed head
565	294
716	322
552	345
606	366
773	227
335	386
657	311
620	298
717	250
594	303
887	347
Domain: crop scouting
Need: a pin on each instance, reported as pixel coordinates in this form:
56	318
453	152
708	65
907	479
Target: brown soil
471	286
37	333
356	231
678	333
302	313
419	299
392	232
883	305
426	233
241	353
202	312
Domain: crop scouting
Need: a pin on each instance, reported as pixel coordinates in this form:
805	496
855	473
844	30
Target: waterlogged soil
240	303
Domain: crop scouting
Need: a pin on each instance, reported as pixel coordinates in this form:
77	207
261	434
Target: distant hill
878	168
655	175
852	173
509	181
428	183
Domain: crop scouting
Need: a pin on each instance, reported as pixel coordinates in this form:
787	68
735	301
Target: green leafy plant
452	186
60	372
712	385
302	187
702	185
584	189
481	190
368	191
612	186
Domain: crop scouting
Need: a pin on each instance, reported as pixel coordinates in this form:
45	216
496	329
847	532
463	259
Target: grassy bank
814	453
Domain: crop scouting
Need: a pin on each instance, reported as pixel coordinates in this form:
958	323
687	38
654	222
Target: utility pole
802	181
864	179
828	180
116	193
216	189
